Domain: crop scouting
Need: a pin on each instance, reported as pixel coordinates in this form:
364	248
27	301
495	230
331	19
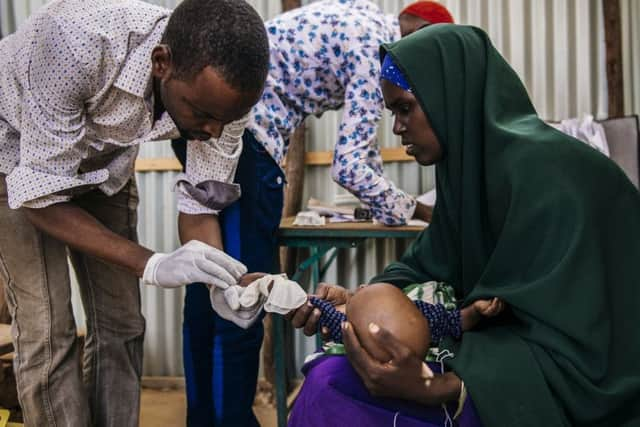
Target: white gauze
243	305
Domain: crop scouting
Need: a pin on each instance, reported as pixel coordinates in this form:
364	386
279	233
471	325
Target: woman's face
411	124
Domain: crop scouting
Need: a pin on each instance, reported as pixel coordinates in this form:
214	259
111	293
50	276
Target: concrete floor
168	408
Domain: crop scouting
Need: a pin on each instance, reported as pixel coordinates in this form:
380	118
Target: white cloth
77	101
242	305
586	130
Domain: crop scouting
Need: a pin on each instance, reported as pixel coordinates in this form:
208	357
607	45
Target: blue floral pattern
324	57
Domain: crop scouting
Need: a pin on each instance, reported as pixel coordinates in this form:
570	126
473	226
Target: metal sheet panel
630	11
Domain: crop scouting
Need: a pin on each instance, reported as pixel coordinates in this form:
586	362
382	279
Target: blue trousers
220	359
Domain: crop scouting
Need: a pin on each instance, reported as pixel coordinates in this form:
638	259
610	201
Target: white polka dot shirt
325	56
76	101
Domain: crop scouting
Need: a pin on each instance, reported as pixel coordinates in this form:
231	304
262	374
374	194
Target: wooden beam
318	158
324	158
290	4
396	154
158	164
312	158
6	344
163	383
613	41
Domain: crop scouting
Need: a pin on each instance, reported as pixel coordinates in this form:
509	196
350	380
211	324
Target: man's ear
161	61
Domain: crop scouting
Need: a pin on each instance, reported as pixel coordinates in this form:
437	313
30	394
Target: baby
415	323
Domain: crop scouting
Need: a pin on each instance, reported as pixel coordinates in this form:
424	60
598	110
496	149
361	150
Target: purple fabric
333	395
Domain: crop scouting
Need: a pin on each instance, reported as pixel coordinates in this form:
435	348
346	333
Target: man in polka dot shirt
82	84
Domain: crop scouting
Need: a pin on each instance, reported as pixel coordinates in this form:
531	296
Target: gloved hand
193	262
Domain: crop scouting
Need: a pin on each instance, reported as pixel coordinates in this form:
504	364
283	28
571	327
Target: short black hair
228	35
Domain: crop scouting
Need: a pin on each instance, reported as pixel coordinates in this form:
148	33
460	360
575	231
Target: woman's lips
410	149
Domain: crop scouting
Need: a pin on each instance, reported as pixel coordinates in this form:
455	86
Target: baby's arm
442	322
472	314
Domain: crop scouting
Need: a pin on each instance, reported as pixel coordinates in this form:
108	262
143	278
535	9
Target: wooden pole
4	310
293	195
613	41
294	171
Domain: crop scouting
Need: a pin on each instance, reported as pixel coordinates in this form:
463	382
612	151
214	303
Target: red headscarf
431	11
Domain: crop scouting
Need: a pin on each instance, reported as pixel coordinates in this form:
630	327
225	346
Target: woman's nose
398	127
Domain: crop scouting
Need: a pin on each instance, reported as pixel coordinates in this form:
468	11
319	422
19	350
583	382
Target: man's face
410	24
202	105
411	124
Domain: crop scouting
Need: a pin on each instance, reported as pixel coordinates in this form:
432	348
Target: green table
321	240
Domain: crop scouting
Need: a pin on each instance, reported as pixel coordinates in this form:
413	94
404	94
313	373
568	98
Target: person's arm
214	163
410	268
472	314
357	164
193	227
80	230
423	212
307	316
405	376
203	227
52	146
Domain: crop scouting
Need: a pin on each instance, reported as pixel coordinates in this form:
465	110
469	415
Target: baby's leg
330	318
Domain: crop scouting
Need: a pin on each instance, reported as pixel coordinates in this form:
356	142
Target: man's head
211	66
422	13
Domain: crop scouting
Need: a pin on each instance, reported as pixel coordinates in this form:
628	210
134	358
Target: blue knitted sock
329	318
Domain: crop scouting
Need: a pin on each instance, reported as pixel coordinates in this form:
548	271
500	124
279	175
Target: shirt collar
135	76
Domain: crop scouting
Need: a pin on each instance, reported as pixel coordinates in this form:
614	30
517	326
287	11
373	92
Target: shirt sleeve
357	164
213	163
53	124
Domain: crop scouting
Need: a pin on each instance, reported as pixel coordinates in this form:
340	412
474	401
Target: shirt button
279	180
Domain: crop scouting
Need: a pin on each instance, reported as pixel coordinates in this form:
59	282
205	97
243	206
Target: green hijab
537	218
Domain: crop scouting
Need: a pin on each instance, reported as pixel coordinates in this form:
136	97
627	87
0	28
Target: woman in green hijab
524	213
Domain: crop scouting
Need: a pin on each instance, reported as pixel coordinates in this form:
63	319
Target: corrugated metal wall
557	47
630	11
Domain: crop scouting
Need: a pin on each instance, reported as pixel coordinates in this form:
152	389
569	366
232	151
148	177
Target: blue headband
393	74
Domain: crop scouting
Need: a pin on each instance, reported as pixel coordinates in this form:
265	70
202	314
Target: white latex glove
193	262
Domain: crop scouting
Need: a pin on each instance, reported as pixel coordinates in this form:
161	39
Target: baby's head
388	307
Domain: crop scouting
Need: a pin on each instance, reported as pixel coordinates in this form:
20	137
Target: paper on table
309	218
345	218
428	198
327	209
